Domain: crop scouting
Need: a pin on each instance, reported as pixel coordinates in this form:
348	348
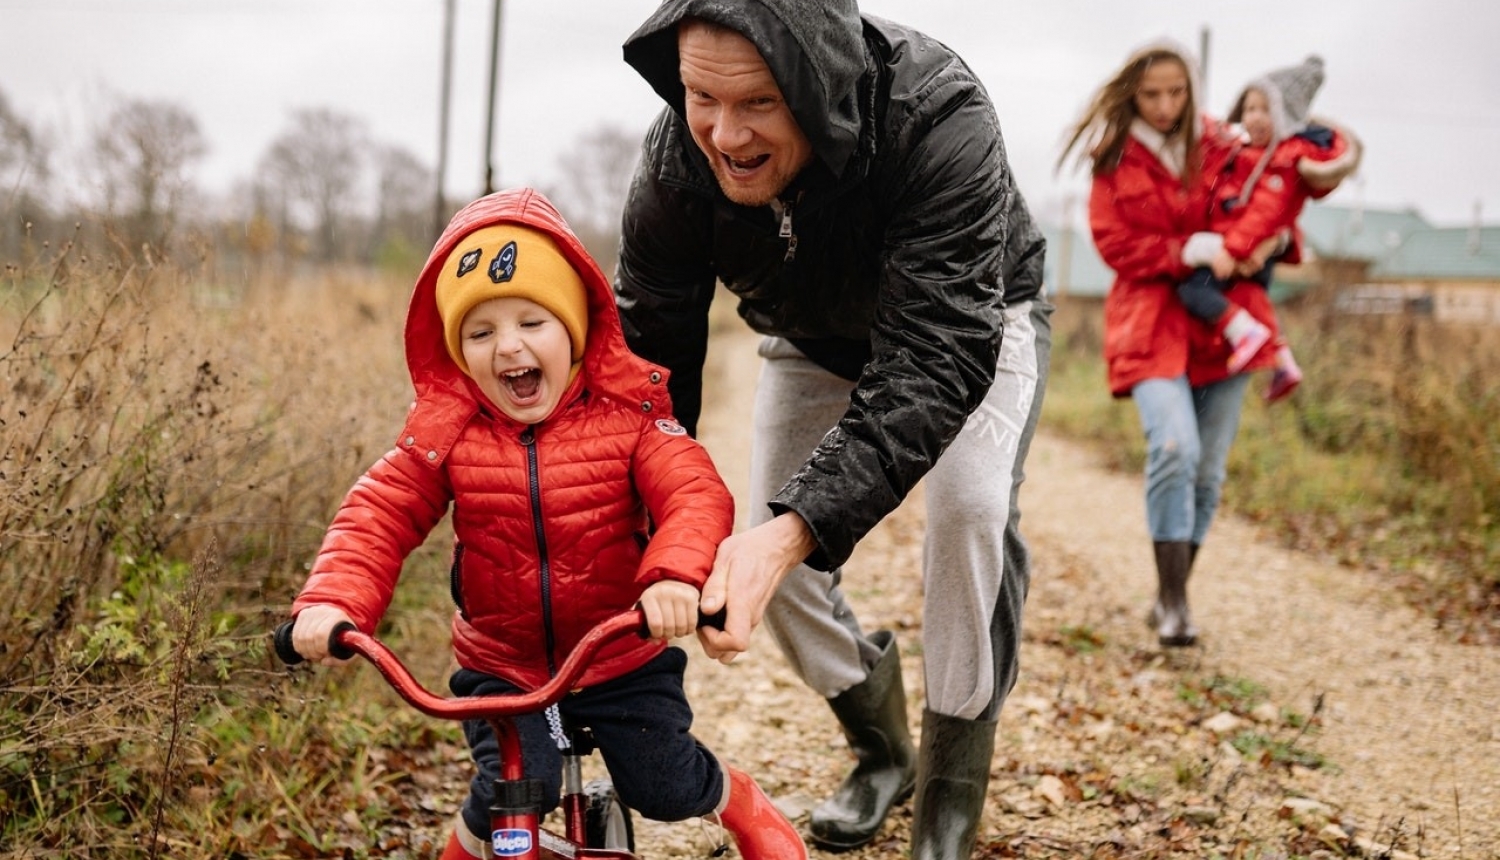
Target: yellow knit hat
509	260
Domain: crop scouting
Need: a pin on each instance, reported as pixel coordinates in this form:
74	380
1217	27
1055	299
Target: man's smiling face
737	116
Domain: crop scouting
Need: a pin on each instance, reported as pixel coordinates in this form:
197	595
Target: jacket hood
1171	151
814	48
608	365
1169	45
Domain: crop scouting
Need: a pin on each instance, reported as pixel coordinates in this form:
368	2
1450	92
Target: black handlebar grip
283	640
715	620
289	655
336	648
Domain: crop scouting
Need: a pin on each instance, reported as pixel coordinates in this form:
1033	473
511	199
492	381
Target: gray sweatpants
976	568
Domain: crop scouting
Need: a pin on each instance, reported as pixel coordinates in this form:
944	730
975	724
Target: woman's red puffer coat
1141	215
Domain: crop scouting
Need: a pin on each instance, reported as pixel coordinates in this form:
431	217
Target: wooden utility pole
489	137
1203	66
440	205
1065	249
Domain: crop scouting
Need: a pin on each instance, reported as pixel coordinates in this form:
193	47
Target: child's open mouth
522	384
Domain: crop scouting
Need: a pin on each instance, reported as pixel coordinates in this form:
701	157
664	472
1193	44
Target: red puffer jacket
1141	216
1280	192
1278	199
551	520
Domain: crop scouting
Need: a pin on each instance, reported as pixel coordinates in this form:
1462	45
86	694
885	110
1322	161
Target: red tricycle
597	825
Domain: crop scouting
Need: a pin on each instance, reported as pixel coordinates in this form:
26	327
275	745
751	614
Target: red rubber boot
455	849
759	829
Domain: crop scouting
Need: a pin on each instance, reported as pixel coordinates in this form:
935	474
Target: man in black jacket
845	178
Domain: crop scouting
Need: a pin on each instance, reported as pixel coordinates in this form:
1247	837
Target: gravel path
1111	748
1409	719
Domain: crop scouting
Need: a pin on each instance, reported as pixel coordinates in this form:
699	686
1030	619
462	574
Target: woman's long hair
1104	127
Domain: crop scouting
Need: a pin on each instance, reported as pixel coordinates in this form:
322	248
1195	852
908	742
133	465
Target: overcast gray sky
1418	81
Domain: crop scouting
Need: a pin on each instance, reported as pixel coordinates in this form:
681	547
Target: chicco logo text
511	843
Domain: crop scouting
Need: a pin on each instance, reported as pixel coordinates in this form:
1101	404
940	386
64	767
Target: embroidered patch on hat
469	262
503	267
670	427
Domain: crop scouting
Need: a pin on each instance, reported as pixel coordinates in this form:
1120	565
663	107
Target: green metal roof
1438	253
1399	243
1351	232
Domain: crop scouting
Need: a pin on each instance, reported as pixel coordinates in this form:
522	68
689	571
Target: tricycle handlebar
347	641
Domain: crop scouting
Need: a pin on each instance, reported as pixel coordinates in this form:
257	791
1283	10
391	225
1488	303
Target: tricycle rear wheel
606	821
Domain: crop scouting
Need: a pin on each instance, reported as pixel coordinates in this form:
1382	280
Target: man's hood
814	48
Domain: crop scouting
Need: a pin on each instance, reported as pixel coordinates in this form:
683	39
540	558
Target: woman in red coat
574	497
1154	161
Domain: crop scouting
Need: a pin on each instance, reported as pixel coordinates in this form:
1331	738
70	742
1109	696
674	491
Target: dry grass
143	423
171	453
171	448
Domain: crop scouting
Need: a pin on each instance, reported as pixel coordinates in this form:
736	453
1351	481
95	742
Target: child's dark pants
640	723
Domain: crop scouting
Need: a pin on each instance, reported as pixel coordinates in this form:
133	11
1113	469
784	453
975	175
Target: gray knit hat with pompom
1290	93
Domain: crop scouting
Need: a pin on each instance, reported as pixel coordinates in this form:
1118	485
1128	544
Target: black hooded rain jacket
908	237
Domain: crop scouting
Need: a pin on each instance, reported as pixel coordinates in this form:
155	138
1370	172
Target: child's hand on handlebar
671	609
314	625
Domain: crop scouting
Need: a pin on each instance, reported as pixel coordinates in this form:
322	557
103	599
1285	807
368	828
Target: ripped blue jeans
1188	434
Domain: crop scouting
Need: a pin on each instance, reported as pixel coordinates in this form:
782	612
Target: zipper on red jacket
455	580
544	561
